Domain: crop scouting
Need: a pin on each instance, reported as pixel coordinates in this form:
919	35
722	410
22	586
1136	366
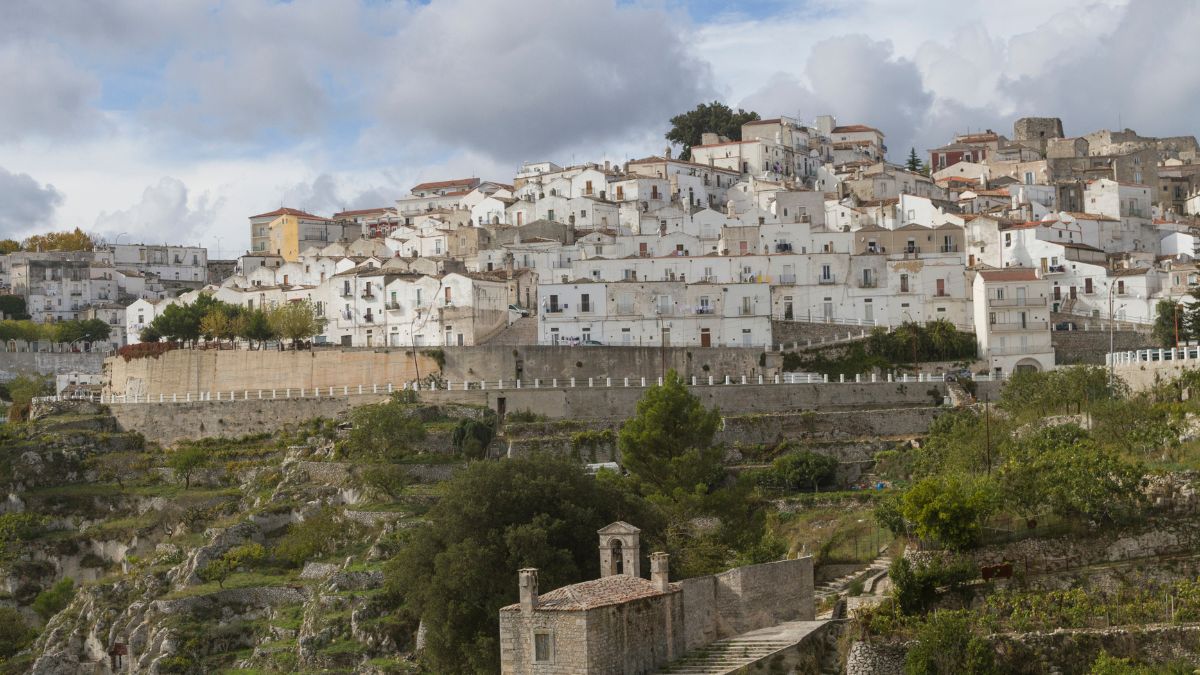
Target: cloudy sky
153	121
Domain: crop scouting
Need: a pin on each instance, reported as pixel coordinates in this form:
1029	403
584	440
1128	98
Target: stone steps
724	656
523	331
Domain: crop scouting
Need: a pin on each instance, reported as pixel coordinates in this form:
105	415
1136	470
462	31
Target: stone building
622	624
1035	132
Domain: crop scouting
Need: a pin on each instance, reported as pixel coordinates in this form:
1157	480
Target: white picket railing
509	385
1191	353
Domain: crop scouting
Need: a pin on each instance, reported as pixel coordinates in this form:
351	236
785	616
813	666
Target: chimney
529	589
658	570
607	166
667	152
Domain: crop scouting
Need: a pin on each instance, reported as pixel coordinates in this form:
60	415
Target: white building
655	313
1012	320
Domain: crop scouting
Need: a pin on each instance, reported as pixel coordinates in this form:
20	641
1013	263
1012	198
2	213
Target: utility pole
987	425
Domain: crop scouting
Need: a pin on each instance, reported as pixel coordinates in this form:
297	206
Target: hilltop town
1005	238
766	402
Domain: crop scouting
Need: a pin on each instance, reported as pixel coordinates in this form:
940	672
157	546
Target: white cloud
520	81
44	93
164	214
25	203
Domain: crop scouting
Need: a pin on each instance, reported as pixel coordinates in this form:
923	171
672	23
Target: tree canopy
668	444
688	128
494	518
74	240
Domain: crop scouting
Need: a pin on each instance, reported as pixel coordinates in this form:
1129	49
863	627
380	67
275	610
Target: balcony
367	295
1016	302
783	248
827	280
789	279
1015	327
1019	350
369	317
555	309
707	309
393	306
873	249
347	293
867	283
953	248
1056	269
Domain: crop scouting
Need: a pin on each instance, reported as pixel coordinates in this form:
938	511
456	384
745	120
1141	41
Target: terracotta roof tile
1010	274
612	590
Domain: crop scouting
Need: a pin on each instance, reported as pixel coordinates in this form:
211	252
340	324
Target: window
585	303
1007	239
903	283
747	308
664	304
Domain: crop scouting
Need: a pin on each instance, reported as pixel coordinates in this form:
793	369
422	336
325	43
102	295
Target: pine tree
913	163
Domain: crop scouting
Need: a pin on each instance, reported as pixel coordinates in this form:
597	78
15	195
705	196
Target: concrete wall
620	402
13	364
185	370
899	409
747	598
190	370
1142	375
166	423
1090	346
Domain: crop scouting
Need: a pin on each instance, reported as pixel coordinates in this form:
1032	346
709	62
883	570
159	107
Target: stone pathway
835	587
730	654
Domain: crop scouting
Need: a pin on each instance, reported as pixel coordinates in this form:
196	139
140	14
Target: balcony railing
369	317
867	283
347	293
787	279
1016	302
1016	326
393	306
1056	269
953	248
704	310
827	281
368	295
1011	350
555	309
783	248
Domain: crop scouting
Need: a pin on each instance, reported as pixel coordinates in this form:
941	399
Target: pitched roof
284	211
360	212
1010	274
435	185
851	128
612	590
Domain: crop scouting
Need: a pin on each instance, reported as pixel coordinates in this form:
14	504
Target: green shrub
947	646
54	599
471	438
388	479
14	634
914	587
801	470
316	536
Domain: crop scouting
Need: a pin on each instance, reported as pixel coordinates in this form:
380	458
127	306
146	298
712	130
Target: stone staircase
523	331
727	655
836	587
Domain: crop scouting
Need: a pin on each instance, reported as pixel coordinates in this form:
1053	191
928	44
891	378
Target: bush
218	570
388	479
385	431
947	646
802	470
914	587
54	599
948	510
14	634
316	536
471	438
